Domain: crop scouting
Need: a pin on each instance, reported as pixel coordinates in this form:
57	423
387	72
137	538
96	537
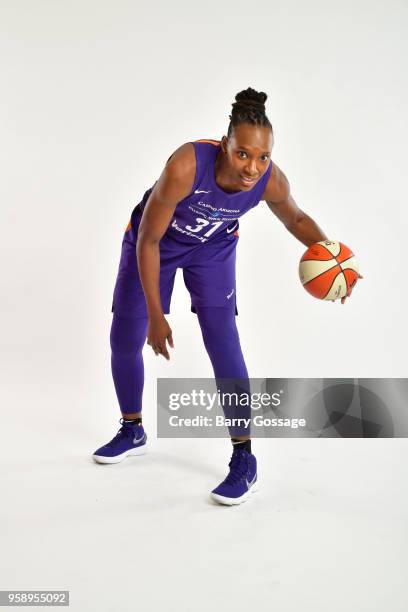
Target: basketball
328	270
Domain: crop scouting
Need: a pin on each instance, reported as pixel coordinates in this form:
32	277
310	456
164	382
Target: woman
189	220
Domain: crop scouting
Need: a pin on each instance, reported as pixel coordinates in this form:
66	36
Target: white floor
326	532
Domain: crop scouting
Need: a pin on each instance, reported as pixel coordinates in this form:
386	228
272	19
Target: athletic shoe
241	480
130	440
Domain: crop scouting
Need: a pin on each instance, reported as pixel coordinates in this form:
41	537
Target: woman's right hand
158	332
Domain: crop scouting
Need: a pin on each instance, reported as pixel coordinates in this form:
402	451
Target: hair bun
250	97
249	107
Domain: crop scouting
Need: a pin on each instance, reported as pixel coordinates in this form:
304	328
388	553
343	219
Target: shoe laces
125	430
238	467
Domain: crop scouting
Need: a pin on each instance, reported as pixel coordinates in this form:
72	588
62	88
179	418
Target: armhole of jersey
267	174
197	169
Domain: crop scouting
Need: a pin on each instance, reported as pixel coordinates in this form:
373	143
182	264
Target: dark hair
249	107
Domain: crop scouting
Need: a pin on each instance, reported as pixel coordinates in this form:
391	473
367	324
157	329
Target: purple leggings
128	336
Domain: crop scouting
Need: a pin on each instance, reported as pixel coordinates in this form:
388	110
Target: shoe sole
141	450
234	501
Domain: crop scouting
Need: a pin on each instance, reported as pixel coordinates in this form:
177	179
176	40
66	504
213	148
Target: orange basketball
328	270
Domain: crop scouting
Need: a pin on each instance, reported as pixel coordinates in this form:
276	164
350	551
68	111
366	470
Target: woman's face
248	152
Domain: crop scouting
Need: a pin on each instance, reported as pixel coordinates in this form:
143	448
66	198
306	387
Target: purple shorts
208	271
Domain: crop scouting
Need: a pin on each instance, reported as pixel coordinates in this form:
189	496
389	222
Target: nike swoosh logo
231	230
201	191
136	440
249	484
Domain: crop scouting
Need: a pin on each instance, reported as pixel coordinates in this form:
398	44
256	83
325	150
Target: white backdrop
95	98
97	95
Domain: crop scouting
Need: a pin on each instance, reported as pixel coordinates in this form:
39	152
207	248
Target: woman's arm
175	183
281	203
278	198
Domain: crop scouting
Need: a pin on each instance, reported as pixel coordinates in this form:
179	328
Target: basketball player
189	219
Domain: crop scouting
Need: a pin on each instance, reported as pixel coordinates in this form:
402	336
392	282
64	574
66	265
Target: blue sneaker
130	440
241	481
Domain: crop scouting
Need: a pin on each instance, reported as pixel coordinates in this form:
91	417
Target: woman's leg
127	338
221	339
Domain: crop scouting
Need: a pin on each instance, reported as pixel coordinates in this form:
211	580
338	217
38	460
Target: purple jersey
209	211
